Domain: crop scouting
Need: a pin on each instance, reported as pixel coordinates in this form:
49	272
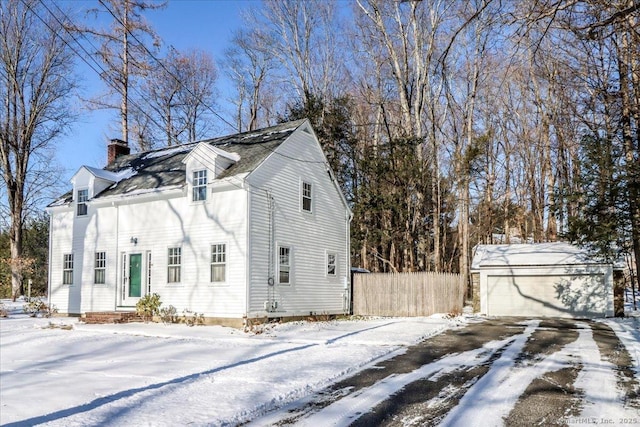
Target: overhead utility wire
161	63
92	56
84	49
241	182
97	64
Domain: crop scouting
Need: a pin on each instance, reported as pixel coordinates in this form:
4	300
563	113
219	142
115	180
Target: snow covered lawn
60	372
154	374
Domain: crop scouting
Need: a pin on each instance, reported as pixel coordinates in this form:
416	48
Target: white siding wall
157	225
66	298
309	235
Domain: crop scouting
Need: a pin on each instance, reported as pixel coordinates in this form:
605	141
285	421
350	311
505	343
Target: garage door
552	296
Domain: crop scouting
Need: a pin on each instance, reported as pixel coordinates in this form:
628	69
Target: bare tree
604	45
248	65
37	80
125	50
177	99
301	36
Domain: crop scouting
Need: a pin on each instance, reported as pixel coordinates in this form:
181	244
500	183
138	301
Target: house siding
308	235
151	209
66	298
156	225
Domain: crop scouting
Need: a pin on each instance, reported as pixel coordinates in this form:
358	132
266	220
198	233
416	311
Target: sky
184	24
156	374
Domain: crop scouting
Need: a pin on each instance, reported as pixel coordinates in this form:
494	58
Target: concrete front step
111	317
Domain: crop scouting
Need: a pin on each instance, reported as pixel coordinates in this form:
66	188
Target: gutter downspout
49	273
247	259
348	283
117	254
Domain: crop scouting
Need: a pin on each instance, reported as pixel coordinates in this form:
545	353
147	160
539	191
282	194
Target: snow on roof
204	151
164	169
167	151
536	254
109	175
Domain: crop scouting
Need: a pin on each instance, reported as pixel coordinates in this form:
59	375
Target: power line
161	63
101	70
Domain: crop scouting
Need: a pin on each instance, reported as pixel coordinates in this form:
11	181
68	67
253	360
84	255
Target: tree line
448	123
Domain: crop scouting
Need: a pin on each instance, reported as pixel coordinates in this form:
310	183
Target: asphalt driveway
524	372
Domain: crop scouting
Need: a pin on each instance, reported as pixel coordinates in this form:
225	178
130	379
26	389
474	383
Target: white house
245	226
544	279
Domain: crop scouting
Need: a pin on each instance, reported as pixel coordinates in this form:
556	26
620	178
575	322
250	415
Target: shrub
191	319
148	306
169	314
35	307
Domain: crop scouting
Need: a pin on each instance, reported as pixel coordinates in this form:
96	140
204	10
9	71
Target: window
200	185
218	262
306	196
174	260
284	265
99	268
81	199
331	264
67	269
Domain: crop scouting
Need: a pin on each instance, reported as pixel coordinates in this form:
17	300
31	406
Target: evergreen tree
602	223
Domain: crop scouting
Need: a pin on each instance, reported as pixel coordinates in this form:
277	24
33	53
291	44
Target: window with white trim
100	268
306	197
331	263
174	261
200	185
81	200
67	269
218	262
284	265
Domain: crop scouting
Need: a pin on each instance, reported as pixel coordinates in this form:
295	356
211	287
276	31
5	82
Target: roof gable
103	174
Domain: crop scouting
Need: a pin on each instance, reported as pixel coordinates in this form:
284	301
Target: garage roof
536	254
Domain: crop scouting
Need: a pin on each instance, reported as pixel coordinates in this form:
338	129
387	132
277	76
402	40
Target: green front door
135	276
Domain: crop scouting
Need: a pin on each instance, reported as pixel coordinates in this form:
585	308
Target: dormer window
200	185
81	199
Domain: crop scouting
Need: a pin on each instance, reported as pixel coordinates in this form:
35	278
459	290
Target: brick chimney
115	149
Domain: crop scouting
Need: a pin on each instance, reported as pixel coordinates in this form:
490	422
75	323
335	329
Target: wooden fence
407	294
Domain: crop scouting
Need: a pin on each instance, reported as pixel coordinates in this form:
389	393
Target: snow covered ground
60	372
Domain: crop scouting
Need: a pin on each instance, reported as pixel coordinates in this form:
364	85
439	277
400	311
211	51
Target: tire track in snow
603	399
344	411
496	394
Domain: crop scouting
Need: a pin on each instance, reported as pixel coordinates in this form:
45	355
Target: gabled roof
108	175
529	255
164	168
206	152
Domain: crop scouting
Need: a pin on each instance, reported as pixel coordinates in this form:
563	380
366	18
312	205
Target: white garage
545	279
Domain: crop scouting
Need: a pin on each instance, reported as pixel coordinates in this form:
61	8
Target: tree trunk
124	108
632	153
16	251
